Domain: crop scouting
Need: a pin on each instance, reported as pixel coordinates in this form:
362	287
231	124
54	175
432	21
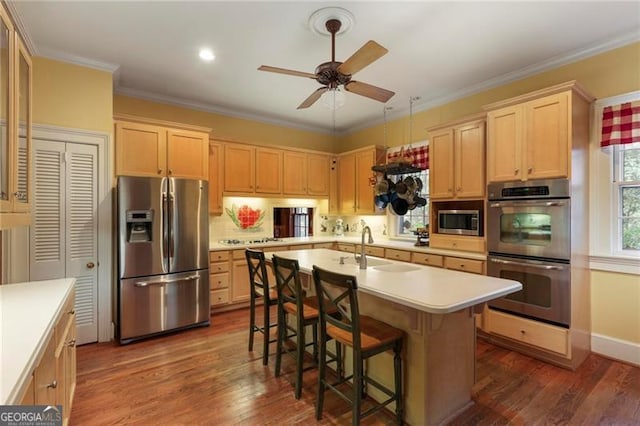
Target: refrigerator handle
165	227
172	224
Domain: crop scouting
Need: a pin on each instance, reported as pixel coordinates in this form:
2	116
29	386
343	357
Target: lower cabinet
54	379
240	289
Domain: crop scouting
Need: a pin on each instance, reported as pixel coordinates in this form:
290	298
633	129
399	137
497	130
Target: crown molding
22	30
201	106
59	55
551	63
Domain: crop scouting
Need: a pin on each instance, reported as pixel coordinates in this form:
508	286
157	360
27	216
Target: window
614	184
418	217
405	225
626	190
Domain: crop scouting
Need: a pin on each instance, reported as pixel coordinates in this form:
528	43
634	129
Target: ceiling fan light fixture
333	98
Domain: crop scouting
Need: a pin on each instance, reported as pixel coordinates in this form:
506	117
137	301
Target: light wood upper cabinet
347	183
268	171
187	154
355	192
215	178
531	139
306	173
141	150
249	169
457	161
295	173
15	127
239	168
154	150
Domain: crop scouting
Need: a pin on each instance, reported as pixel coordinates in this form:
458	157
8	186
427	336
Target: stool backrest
338	293
288	283
258	279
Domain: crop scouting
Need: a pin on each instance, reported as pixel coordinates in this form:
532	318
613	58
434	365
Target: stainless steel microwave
459	222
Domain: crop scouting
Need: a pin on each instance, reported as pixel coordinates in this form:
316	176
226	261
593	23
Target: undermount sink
370	261
395	268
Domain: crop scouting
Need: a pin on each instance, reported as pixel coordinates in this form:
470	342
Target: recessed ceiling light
207	55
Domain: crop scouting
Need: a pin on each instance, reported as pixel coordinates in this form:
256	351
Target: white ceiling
438	51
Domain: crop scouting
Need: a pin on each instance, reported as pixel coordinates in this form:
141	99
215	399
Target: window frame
605	249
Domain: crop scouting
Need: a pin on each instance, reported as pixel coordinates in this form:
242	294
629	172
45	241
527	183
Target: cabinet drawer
427	259
62	327
465	265
301	247
345	247
323	245
371	251
238	254
217	256
217	267
555	339
279	248
404	256
454	242
217	281
219	297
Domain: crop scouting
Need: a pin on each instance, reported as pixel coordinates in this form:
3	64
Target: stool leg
397	369
321	372
282	331
357	386
252	321
314	330
339	369
267	332
300	342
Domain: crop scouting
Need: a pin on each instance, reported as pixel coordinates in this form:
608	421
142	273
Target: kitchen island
435	308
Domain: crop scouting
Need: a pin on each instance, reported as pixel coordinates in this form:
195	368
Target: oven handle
528	265
531	204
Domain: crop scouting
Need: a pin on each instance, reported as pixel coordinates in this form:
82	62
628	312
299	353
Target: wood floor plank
207	376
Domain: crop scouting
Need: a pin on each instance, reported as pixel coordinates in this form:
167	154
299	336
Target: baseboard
611	347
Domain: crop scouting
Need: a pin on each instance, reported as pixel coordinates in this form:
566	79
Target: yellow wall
224	127
607	74
69	95
615	305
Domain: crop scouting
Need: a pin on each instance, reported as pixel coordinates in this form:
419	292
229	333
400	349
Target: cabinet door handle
159	171
170	171
529	170
516	171
53	384
71	343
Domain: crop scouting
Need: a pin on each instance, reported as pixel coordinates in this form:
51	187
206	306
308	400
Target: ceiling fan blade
373	92
367	54
286	71
313	98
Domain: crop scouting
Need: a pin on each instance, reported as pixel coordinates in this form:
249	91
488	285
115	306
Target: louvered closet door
64	242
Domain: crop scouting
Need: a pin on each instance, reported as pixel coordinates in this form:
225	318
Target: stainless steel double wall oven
529	240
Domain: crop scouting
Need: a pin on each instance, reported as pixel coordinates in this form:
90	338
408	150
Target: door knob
91	265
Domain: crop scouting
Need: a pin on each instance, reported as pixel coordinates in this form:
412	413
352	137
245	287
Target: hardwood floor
207	376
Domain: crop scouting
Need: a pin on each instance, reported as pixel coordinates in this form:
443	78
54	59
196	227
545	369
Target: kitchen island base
438	360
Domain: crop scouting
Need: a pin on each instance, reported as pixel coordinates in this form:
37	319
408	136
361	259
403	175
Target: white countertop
429	289
27	316
386	243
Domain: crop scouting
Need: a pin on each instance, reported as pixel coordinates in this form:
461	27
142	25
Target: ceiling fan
334	74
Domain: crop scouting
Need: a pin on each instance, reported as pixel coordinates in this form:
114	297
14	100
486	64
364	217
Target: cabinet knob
529	170
449	190
71	343
459	189
159	171
522	332
170	171
53	384
72	312
516	171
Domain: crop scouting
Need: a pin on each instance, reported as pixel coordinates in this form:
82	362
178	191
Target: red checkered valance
621	124
419	156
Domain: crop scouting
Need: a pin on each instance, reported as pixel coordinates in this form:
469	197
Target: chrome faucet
363	256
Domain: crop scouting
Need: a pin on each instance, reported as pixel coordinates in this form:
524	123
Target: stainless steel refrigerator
163	238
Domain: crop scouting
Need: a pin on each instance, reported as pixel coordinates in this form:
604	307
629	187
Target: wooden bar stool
365	335
259	288
293	300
